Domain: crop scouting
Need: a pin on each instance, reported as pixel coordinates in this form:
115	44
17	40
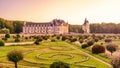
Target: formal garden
71	50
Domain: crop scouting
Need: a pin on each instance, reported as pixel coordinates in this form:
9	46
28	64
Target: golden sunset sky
72	11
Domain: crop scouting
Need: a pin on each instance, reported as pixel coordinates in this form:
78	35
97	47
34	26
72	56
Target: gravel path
18	43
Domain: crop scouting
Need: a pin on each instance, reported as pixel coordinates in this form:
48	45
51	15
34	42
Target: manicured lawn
47	52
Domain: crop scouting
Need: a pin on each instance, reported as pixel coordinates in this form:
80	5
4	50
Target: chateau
86	27
56	26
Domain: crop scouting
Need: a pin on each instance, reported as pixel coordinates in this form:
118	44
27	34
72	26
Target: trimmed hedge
2	43
17	40
7	35
59	64
98	49
84	45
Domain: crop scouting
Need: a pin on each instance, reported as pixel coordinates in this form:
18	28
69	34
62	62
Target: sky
72	11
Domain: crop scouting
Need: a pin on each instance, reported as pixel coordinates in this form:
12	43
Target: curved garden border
62	48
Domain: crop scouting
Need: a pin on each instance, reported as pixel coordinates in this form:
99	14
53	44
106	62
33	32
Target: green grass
30	52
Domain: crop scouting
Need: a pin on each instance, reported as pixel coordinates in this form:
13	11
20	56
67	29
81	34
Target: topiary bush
98	49
90	43
17	36
37	42
45	37
84	45
108	40
81	40
58	37
2	43
53	40
40	39
26	38
96	39
17	40
7	35
59	64
73	39
5	39
64	38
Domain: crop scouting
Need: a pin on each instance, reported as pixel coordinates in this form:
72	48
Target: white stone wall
45	29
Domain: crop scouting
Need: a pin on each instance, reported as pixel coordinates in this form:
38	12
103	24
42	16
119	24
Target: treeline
105	28
97	28
12	26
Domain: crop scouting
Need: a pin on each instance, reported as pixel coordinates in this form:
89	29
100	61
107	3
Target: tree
59	64
4	31
15	56
115	60
111	47
18	26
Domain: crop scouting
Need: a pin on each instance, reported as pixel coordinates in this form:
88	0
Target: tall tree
18	26
15	56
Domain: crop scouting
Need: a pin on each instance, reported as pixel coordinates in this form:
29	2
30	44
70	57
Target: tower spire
86	26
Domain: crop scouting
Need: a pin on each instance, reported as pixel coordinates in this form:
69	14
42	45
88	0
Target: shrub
111	47
81	41
90	43
108	40
73	39
39	39
59	65
15	56
4	31
7	35
26	38
84	45
64	38
100	37
58	37
98	49
2	43
45	37
53	40
96	39
17	36
5	39
17	40
37	42
93	36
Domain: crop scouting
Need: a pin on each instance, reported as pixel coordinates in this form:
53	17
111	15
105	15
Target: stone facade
86	27
54	27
